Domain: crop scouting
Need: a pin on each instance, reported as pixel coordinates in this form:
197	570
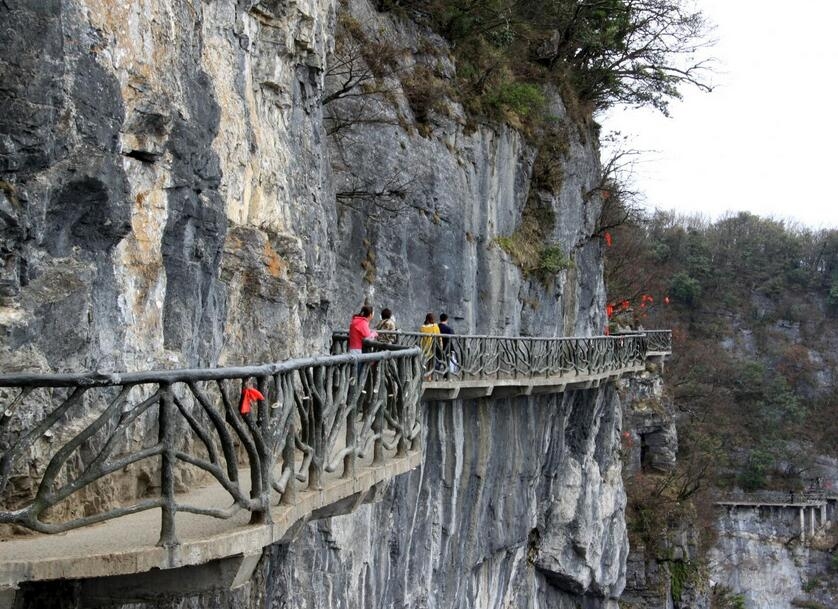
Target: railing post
378	431
289	494
515	359
400	402
316	430
531	359
351	441
166	436
263	515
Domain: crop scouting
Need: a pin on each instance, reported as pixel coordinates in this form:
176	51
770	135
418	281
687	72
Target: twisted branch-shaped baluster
48	496
244	432
283	434
344	399
226	476
26	440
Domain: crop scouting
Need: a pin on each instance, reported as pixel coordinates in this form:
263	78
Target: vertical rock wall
160	164
168	193
760	556
518	503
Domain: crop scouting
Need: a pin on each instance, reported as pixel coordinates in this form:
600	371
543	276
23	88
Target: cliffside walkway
464	366
812	510
125	474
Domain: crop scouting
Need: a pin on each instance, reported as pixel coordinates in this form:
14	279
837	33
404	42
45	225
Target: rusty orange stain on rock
276	266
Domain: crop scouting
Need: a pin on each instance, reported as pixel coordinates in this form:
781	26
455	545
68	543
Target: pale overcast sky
765	139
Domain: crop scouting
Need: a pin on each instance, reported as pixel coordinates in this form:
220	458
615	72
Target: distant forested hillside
753	305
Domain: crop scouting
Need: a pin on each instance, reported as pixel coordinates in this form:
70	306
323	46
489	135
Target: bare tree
359	74
621	203
375	199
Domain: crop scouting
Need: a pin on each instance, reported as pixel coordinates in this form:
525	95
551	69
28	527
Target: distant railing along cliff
472	357
262	448
461	365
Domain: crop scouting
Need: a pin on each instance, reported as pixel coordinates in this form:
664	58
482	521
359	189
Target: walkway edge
241	541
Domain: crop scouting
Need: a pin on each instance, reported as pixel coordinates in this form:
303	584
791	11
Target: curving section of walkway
233	458
475	366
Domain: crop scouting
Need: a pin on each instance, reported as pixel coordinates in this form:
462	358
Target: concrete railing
458	357
323	436
811	510
658	341
61	434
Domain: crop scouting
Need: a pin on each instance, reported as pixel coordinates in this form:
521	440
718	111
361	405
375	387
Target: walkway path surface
128	544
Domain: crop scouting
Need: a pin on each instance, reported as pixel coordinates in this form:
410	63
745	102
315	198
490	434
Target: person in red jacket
359	329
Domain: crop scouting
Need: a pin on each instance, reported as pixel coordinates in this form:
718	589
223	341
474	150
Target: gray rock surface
519	503
672	559
760	556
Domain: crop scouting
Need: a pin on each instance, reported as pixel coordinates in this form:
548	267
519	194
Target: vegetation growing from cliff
530	247
754	367
597	52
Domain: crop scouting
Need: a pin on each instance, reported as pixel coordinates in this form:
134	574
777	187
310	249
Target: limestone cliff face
168	193
161	163
666	563
759	555
519	503
171	196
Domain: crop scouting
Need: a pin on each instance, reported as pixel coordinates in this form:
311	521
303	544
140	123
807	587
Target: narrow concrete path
128	545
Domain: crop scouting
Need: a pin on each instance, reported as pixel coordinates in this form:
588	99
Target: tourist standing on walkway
444	329
359	330
430	344
387	324
449	359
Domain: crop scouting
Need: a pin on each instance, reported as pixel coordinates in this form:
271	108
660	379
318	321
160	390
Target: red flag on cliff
250	395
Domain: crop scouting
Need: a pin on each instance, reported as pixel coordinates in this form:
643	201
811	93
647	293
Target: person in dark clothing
444	329
447	358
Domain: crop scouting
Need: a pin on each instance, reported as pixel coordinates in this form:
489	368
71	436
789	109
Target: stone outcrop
760	556
665	567
170	192
518	503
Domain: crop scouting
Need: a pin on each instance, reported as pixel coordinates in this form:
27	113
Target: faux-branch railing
330	411
462	357
658	341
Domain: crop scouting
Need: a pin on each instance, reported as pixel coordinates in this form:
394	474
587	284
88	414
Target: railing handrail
103	379
344	333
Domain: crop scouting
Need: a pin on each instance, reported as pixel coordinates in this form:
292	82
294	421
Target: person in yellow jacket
430	344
